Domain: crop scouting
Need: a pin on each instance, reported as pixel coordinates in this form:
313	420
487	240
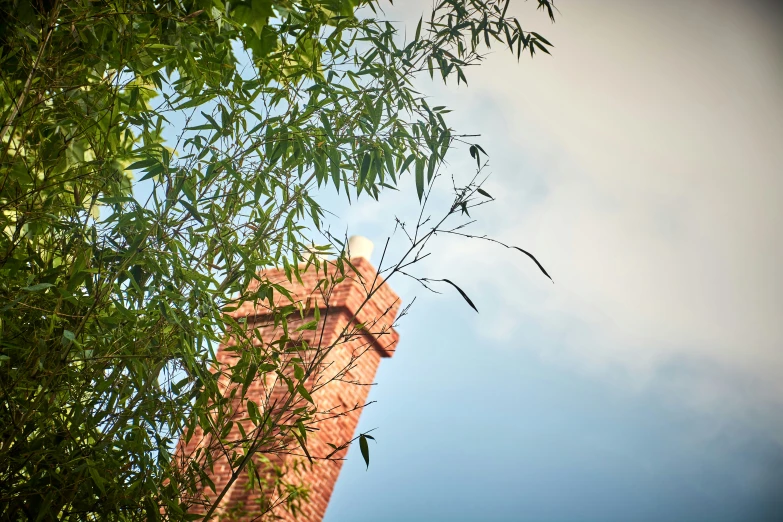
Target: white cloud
642	163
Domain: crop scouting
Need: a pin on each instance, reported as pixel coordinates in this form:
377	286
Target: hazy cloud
643	164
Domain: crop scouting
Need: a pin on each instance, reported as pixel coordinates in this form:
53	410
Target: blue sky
642	164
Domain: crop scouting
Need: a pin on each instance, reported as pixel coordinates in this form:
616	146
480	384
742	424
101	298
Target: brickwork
341	385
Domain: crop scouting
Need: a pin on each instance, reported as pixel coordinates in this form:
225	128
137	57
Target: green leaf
192	210
365	168
68	337
431	164
474	153
540	266
407	162
463	294
253	412
312	325
249	376
225	120
142	164
303	444
38	287
540	46
420	177
304	393
97	479
484	193
334	163
364	447
539	37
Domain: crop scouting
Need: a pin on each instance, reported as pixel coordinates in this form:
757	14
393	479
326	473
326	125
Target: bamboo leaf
364	447
304	393
463	294
38	287
420	177
540	266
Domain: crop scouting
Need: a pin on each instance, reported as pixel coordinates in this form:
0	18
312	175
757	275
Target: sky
641	163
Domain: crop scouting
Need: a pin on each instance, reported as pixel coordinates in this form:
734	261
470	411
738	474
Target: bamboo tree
123	254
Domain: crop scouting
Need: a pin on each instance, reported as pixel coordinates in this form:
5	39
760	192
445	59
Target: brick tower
360	299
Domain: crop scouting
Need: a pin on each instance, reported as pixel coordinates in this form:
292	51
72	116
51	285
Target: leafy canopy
120	252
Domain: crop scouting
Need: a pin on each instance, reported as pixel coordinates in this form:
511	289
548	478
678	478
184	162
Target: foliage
121	253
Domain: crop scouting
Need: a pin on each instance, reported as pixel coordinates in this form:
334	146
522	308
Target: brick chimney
354	359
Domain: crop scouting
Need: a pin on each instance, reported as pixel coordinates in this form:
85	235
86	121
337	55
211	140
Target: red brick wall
342	382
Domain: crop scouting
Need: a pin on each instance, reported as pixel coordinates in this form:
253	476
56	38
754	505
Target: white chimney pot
359	246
